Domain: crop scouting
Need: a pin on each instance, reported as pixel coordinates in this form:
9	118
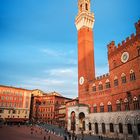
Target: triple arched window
101	107
100	87
95	108
116	82
132	76
94	87
109	105
118	105
136	103
107	84
123	77
126	104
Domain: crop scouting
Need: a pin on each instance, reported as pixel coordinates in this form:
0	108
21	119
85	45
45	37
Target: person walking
75	137
49	137
44	137
69	136
65	137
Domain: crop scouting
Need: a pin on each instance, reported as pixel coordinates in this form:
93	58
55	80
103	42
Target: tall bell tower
86	69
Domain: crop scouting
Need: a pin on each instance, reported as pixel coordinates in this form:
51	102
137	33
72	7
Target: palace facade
108	105
14	104
49	108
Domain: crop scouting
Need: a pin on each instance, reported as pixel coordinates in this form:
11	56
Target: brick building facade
109	104
14	104
46	108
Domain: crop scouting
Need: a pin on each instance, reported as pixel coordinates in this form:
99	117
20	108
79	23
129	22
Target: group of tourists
40	131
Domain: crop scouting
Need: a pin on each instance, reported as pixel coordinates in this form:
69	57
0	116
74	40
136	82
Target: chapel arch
82	121
73	121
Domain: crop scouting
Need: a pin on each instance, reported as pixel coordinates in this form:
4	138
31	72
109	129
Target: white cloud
62	80
63	73
52	53
59	49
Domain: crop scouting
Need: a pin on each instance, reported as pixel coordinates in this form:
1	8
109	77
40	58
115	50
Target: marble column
93	128
69	124
86	125
77	126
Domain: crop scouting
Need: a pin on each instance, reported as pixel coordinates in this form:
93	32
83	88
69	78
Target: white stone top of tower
85	18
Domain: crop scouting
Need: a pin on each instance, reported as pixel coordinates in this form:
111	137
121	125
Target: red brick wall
85	57
12	97
130	45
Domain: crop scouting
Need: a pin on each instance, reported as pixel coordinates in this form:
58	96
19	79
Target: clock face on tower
81	80
125	57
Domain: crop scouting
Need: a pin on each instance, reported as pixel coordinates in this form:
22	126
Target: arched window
73	121
132	76
123	77
94	87
81	8
96	128
86	6
90	127
107	84
126	104
136	103
120	128
111	127
103	128
82	120
100	87
118	105
129	128
101	107
95	108
109	107
116	83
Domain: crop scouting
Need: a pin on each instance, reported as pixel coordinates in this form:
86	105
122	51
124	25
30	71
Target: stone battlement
102	76
137	26
112	48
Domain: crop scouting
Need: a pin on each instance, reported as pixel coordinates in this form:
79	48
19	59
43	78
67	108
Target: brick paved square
24	133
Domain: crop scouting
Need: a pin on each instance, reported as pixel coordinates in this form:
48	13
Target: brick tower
86	69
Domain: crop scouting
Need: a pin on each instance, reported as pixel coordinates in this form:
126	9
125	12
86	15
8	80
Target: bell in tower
84	17
84	5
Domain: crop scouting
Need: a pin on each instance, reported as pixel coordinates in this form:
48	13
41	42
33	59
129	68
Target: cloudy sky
38	40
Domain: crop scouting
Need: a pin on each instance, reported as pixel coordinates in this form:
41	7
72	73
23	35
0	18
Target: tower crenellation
102	76
128	42
137	26
111	47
